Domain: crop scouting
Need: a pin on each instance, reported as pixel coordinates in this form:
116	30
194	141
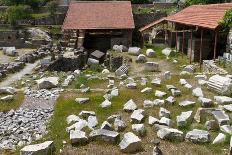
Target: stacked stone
22	126
210	67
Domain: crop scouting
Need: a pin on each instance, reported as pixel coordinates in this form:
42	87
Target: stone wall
229	42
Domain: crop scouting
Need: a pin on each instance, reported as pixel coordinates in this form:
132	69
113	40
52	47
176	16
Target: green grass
39	15
6	106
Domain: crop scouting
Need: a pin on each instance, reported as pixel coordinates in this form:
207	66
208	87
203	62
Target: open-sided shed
99	24
195	29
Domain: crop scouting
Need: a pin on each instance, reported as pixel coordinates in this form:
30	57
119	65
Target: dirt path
17	76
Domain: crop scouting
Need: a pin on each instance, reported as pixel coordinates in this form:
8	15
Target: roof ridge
73	2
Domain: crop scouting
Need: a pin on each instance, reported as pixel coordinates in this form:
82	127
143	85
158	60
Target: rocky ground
92	112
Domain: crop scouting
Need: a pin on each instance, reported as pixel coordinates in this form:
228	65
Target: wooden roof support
201	49
176	40
215	45
183	43
191	46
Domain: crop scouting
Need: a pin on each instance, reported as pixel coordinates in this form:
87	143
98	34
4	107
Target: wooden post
176	41
191	46
171	39
215	45
183	44
201	49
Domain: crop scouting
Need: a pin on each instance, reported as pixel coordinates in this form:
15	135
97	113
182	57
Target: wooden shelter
195	29
99	24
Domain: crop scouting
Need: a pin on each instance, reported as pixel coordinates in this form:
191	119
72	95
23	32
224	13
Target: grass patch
39	15
6	106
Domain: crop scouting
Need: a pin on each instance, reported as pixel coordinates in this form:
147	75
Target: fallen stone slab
157	127
223	99
146	90
139	129
175	92
130	143
106	125
197	92
186	103
158	102
92	121
200	77
7	90
137	116
82	100
130	106
132	85
170	100
221	117
141	58
156	82
170	87
205	102
183	82
105	135
45	148
119	125
122	70
183	118
150	53
164	113
220	84
152	120
72	119
198	136
226	129
105	104
228	107
78	125
151	66
48	83
148	104
112	118
165	121
160	94
86	114
78	137
219	139
134	51
170	134
7	98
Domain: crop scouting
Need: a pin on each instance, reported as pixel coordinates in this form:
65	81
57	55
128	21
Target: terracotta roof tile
99	15
207	16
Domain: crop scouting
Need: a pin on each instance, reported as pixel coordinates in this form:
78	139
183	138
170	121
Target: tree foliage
34	4
227	20
52	7
18	12
139	1
192	2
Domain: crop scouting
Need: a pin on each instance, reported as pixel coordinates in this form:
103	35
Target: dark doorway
97	42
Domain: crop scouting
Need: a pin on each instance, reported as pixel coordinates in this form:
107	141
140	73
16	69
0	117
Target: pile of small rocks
22	126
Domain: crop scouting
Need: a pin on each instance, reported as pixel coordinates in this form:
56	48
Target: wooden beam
191	46
215	45
176	40
201	49
183	43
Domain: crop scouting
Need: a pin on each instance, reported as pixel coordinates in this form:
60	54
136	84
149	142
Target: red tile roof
206	16
99	15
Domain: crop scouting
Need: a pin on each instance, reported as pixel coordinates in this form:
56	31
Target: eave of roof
95	15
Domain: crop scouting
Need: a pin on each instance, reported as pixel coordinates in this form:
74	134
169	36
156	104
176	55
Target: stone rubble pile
209	67
22	126
43	93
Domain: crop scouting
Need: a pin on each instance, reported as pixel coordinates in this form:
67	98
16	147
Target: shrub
52	7
227	20
18	12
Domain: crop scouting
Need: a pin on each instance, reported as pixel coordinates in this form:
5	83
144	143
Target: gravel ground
35	103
